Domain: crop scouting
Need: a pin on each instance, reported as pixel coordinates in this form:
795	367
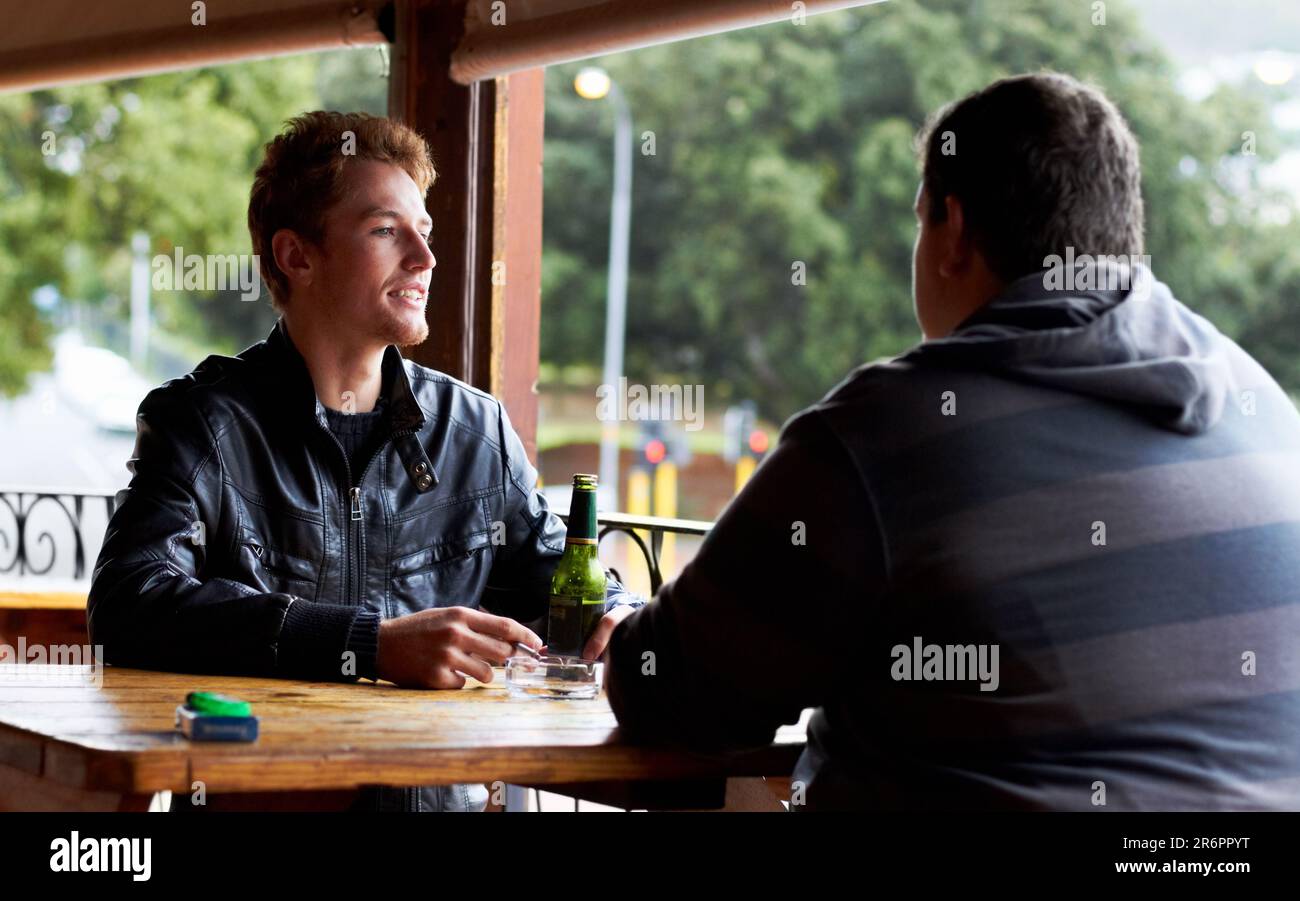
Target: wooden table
76	746
45	618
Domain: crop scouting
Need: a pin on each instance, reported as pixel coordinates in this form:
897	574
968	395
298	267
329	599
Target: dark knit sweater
361	434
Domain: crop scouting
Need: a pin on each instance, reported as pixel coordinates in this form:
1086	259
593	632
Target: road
46	440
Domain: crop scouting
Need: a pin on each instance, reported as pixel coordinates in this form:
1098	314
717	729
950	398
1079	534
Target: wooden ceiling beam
150	47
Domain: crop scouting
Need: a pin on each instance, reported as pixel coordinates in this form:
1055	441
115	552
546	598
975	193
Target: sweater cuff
363	641
312	640
624	599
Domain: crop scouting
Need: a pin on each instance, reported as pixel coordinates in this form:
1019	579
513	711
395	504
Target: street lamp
595	84
1274	69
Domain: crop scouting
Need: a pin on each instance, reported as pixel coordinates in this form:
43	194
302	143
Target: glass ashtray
567	678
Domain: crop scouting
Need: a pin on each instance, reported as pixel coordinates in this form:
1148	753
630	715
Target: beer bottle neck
582	516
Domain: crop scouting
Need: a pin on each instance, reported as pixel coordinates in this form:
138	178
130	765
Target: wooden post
516	321
486	137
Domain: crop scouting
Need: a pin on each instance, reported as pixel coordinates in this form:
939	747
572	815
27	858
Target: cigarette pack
198	726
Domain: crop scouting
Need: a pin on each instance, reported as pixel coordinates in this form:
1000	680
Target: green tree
171	155
793	144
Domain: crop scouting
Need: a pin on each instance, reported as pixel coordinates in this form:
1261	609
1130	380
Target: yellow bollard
638	504
666	506
744	469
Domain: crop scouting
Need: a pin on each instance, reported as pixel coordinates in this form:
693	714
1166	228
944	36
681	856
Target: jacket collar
404	411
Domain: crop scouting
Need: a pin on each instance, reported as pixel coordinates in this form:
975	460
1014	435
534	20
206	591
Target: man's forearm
760	621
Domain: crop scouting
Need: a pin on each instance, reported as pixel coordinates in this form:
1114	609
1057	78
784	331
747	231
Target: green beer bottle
578	586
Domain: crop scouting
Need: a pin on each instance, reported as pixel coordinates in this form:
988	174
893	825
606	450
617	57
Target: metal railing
16	508
17	526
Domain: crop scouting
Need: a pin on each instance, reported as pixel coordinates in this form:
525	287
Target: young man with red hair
319	507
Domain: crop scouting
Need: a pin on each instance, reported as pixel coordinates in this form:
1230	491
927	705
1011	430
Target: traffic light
652	483
654	447
743	442
741	435
737	422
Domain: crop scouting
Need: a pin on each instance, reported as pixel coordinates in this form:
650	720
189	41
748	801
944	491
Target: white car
98	383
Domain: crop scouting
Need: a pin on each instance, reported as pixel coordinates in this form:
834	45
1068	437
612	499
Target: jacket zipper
356	513
347	527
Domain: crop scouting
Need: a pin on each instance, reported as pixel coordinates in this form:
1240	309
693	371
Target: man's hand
430	649
599	639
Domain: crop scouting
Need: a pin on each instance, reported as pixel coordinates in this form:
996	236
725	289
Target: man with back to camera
1045	560
319	507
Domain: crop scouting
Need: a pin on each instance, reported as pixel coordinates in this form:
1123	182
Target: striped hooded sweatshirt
1050	562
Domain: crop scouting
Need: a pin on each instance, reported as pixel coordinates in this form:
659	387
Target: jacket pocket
281	568
442	553
449	573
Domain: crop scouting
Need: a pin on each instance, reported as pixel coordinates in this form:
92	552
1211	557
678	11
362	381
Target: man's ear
290	252
956	245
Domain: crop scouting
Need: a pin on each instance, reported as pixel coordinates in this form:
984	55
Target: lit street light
595	84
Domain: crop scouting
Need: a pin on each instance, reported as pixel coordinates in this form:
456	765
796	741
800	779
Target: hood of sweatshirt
1108	331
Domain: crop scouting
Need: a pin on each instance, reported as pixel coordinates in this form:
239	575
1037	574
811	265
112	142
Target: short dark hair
1039	163
301	177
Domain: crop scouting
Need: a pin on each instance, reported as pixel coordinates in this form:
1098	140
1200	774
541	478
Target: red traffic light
655	451
758	441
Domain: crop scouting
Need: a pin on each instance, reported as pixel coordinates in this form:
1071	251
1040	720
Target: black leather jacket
245	543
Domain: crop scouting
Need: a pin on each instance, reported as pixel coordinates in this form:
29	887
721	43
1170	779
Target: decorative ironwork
656	526
20	502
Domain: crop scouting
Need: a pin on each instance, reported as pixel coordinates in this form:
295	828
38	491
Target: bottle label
570	623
